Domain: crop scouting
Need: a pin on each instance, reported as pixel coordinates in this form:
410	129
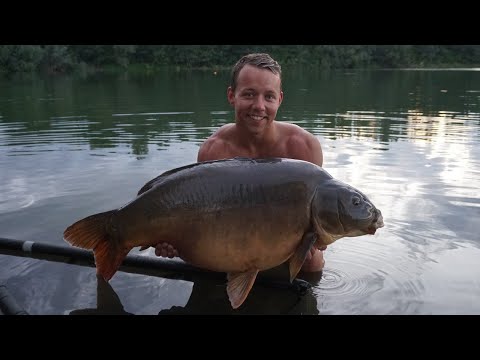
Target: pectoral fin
239	286
297	259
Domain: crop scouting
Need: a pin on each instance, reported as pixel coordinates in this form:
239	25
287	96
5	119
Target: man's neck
258	143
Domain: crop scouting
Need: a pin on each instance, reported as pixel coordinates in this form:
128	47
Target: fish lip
377	223
379	220
371	230
380	223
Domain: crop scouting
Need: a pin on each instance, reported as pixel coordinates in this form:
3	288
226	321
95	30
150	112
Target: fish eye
355	201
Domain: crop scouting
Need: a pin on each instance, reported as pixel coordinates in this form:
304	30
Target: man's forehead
250	78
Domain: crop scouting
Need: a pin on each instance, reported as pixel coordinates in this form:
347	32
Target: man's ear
230	96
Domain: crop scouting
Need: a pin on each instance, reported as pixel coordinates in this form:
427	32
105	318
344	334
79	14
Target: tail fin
91	233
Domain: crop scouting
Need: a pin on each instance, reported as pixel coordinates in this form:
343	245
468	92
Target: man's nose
259	102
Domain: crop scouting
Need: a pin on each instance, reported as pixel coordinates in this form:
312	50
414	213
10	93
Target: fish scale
238	216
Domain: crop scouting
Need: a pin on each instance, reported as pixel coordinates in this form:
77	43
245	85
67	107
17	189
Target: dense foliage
68	58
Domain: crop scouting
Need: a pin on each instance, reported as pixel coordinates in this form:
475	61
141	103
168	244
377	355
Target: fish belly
239	240
223	238
225	216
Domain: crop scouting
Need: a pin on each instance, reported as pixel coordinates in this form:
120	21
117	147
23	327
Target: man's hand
314	261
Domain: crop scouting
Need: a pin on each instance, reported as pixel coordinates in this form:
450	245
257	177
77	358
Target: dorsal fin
162	176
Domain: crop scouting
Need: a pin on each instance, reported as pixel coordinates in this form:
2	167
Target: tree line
71	58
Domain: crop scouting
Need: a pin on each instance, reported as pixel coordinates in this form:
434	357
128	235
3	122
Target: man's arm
204	153
315	149
214	148
305	146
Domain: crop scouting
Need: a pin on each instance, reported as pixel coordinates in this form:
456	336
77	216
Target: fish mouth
377	222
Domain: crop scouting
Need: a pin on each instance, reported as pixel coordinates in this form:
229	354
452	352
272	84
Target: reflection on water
108	302
410	140
209	297
79	291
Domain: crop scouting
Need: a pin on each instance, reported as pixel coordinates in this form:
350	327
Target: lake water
409	139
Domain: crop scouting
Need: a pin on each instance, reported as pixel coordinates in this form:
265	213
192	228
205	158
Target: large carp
238	216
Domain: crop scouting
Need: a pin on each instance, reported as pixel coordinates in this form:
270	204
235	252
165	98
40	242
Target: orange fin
298	258
108	258
239	286
88	232
91	233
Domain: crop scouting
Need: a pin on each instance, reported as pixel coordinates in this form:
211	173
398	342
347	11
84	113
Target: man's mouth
256	117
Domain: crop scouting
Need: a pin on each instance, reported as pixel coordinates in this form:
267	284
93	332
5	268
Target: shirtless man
255	94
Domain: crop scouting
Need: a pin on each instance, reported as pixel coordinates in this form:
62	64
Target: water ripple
357	272
339	283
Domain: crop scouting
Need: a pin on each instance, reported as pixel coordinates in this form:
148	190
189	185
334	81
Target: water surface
409	139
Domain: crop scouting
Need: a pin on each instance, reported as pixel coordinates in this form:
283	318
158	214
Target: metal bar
166	268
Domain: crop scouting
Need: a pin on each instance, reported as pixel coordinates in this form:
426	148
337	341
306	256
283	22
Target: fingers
314	261
165	250
310	254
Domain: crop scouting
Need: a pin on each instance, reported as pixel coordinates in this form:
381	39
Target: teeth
258	118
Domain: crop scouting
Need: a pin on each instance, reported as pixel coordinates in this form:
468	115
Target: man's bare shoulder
216	146
223	132
289	130
301	144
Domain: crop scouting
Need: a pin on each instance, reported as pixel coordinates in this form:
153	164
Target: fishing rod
155	266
